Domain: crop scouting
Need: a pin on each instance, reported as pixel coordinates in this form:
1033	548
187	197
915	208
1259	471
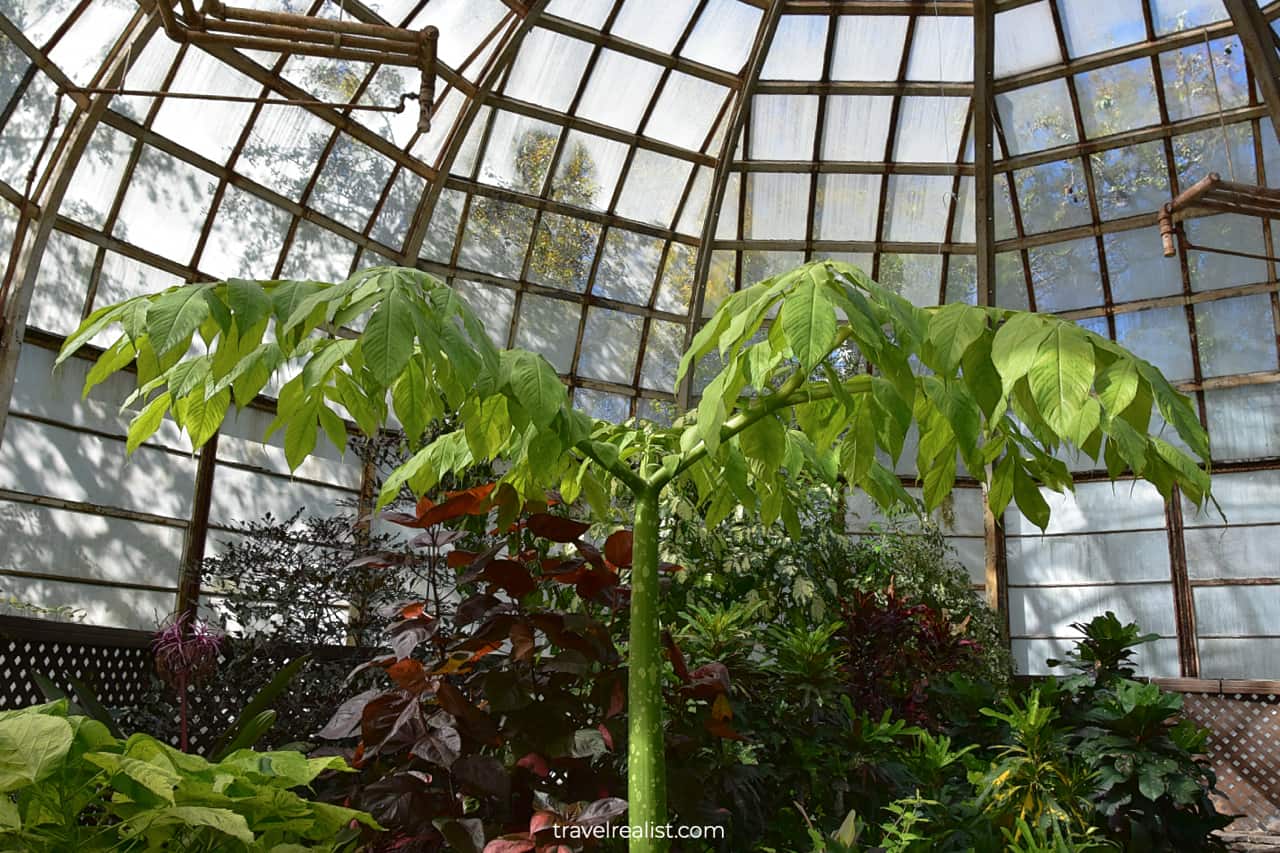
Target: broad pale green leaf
388	337
146	423
1118	385
151	775
1017	345
175	316
223	821
535	385
1000	490
33	747
89	329
952	330
1060	378
1030	502
410	398
249	303
809	320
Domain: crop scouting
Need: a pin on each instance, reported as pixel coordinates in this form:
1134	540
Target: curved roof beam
37	215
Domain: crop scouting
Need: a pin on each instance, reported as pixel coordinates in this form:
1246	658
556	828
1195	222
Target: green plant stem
646	777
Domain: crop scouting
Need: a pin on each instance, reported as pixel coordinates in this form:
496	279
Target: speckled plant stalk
647	776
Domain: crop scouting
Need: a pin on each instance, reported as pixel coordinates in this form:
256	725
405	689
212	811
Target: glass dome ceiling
600	173
598	177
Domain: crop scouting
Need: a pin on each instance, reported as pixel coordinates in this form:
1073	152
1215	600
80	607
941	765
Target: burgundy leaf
602	811
556	528
483	775
473	721
676	657
535	764
709	681
345	722
440	746
511	576
617	548
407	634
464	836
521	641
474	608
380	715
510	844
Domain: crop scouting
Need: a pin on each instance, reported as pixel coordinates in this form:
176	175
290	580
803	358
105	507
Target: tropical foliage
1001	391
67	784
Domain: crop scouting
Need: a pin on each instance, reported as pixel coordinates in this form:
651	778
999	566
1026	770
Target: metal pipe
254	30
246	99
428	44
1196	189
221	10
286	46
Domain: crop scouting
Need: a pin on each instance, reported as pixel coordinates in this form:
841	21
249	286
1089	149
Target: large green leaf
535	386
1017	345
809	320
1060	378
388	336
176	315
222	821
32	748
952	330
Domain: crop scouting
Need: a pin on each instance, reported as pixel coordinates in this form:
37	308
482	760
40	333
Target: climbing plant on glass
1000	390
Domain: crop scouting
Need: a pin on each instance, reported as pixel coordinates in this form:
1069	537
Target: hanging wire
1217	94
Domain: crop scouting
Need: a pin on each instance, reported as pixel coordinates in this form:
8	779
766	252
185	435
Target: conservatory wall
595	180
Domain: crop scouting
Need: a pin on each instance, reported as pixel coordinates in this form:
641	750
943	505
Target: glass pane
1052	196
519	154
629	267
636	22
916	277
547	69
496	236
1161	337
1236	336
1026	39
916	208
549	327
1131	180
1092	27
563	249
930	129
796	51
847	207
777	206
1138	268
856	127
1065	275
653	188
724	34
610	342
663	349
941	49
1037	117
1189	82
782	127
588	171
685	111
1117	98
619	90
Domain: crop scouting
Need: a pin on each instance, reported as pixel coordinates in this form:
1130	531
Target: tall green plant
1001	390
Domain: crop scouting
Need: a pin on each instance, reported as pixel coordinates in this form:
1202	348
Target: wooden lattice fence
118	666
